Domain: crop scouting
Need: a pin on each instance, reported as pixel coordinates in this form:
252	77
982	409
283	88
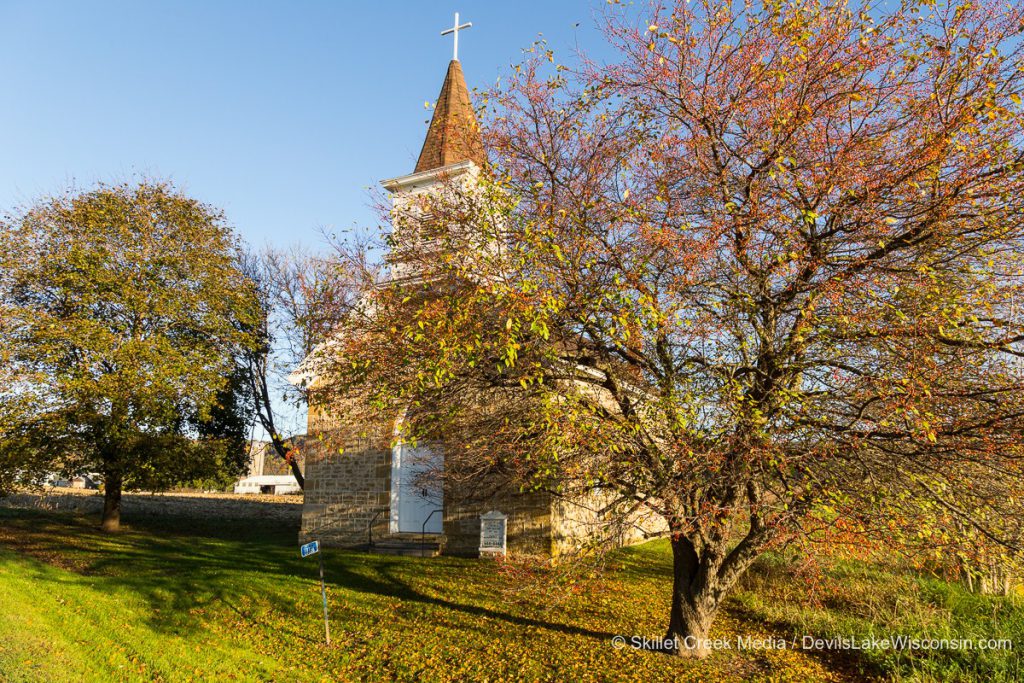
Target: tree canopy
122	313
761	276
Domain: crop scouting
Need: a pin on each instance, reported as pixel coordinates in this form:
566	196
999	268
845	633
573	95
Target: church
371	492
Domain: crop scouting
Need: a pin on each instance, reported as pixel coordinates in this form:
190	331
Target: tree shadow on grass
180	566
389	578
175	570
845	661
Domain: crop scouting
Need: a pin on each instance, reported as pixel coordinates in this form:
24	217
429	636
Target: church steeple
454	134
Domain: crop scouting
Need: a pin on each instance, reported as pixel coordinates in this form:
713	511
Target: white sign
493	530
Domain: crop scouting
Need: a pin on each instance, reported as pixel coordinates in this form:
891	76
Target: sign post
307	550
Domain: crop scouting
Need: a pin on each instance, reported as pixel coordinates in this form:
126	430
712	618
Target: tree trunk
694	601
296	472
284	450
111	502
257	371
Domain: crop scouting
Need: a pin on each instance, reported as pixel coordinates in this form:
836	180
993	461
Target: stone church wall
528	530
348	486
346	490
579	523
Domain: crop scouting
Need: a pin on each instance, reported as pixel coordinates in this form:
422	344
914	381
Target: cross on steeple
455	31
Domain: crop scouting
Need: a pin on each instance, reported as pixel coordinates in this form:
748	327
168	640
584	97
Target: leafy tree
121	316
225	434
759	277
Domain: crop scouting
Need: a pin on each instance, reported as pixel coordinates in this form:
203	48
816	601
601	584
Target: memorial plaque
493	526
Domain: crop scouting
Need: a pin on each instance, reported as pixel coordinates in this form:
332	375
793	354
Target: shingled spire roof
454	134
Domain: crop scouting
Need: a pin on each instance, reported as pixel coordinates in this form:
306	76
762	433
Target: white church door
416	489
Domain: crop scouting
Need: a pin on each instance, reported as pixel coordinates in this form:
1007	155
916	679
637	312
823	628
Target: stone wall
528	530
285	509
348	485
579	523
347	491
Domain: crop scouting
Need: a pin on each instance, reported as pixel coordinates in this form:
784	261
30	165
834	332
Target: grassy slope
862	600
171	601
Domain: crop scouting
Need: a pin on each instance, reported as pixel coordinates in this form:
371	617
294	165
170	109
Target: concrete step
408	551
407	544
409	537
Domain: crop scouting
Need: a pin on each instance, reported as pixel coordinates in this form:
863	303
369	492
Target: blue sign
310	548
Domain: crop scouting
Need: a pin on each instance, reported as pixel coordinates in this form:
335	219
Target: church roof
454	134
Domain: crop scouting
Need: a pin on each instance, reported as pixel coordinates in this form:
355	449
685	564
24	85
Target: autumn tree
759	276
122	316
301	298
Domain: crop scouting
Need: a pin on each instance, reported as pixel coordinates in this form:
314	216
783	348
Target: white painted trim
396	470
401	183
396	485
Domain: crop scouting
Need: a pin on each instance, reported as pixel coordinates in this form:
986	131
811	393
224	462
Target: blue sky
283	114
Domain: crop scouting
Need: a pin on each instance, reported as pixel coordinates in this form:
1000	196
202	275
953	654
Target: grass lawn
177	600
